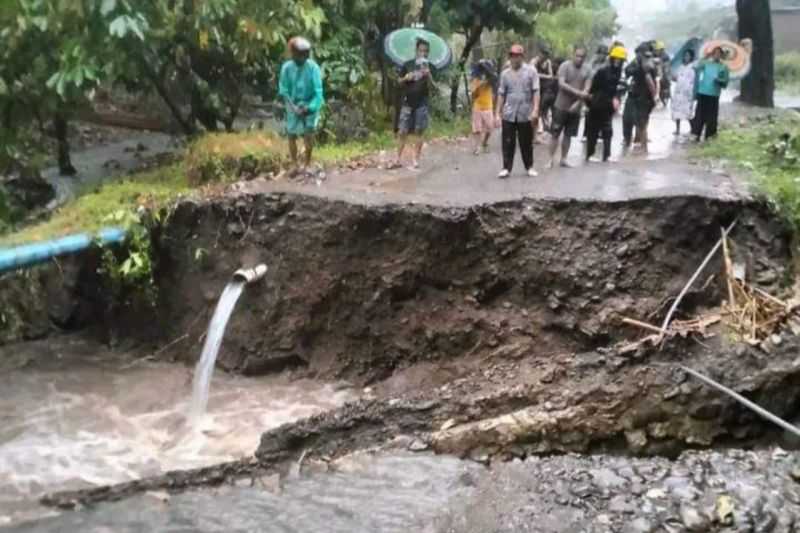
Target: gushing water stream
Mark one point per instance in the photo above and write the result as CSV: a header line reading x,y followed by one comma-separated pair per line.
x,y
216,331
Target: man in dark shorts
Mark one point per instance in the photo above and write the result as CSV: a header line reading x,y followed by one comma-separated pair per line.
x,y
641,98
415,79
574,80
548,84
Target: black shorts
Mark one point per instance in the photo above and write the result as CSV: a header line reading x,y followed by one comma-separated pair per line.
x,y
565,121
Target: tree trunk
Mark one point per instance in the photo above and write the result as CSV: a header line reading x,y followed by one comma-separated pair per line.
x,y
473,38
60,127
755,22
157,80
425,12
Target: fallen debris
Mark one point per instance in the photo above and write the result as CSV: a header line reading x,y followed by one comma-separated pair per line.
x,y
754,314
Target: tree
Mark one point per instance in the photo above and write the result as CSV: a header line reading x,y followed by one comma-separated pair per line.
x,y
472,17
755,23
212,49
52,53
587,23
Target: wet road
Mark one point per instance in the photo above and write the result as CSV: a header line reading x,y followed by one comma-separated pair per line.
x,y
451,175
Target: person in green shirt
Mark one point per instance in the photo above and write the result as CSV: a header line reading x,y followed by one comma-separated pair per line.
x,y
300,87
712,77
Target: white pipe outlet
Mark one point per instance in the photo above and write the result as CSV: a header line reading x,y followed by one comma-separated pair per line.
x,y
250,275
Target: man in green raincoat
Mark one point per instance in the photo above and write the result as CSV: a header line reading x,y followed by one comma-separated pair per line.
x,y
300,86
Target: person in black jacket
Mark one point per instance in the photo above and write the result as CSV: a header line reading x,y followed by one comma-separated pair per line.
x,y
604,103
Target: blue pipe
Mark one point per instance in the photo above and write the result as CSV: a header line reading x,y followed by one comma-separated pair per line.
x,y
32,254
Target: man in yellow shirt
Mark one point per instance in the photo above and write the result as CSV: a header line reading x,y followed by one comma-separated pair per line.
x,y
482,87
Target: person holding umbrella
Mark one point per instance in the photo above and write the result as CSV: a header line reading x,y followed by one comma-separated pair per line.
x,y
300,86
415,80
712,76
517,111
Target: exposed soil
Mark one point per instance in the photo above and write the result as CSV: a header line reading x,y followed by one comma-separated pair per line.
x,y
480,332
362,291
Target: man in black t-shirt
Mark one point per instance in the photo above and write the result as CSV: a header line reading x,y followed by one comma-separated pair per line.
x,y
605,95
415,80
641,98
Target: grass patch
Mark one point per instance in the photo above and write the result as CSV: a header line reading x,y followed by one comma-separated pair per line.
x,y
787,71
769,150
335,154
212,158
89,212
221,157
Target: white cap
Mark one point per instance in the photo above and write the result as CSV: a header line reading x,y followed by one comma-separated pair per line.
x,y
301,44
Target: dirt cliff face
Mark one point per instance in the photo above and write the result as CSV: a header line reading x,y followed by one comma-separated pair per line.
x,y
483,332
362,291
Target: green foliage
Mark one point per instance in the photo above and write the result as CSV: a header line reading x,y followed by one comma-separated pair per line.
x,y
213,49
342,62
587,23
129,271
88,212
52,54
226,157
770,151
787,70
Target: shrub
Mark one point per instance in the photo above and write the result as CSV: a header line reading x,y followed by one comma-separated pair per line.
x,y
221,157
787,68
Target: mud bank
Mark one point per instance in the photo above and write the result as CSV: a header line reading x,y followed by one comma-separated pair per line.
x,y
63,295
362,291
482,332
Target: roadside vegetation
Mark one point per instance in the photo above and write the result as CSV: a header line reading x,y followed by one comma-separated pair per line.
x,y
787,72
213,159
768,149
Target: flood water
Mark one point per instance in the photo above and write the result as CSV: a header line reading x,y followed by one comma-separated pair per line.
x,y
366,494
95,423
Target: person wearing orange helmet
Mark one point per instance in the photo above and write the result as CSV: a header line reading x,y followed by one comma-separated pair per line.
x,y
517,110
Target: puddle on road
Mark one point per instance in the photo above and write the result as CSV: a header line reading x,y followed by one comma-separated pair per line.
x,y
94,425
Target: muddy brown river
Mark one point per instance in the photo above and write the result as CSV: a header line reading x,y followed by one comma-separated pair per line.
x,y
69,424
99,423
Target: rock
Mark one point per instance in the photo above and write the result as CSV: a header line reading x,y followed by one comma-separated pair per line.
x,y
705,411
656,494
271,483
160,496
418,445
448,424
640,525
583,490
28,190
723,510
795,473
622,250
776,340
637,439
693,519
621,505
243,482
767,523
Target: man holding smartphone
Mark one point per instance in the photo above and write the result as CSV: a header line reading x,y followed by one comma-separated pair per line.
x,y
415,80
